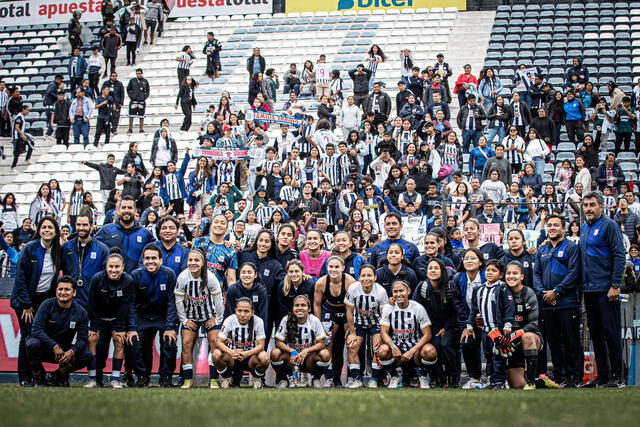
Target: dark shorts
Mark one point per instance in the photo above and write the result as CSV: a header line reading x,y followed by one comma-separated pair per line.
x,y
137,109
200,325
363,331
333,316
517,359
242,366
151,25
107,325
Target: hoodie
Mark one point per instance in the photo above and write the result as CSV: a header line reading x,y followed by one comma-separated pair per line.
x,y
256,293
131,241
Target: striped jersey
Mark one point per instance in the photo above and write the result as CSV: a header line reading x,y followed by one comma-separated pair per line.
x,y
404,138
219,257
307,335
303,143
450,155
185,64
330,166
289,193
76,203
373,66
405,324
226,173
486,297
309,173
58,195
237,336
264,214
513,156
196,302
291,168
367,306
343,164
172,186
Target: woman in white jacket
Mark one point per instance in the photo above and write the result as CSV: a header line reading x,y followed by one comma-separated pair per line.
x,y
349,118
583,176
9,214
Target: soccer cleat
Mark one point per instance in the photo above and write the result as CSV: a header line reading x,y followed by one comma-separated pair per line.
x,y
165,382
349,383
40,381
615,382
283,384
128,380
116,384
423,382
372,384
213,384
471,384
142,382
529,386
303,381
91,384
316,383
497,386
548,382
453,382
257,383
56,379
328,384
394,382
571,382
187,384
355,383
225,383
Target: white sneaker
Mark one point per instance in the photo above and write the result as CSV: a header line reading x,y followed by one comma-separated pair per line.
x,y
282,384
372,384
28,162
354,384
394,382
471,384
328,384
225,383
303,382
349,383
424,383
257,383
316,383
91,384
116,384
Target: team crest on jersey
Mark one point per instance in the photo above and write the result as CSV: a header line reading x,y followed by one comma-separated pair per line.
x,y
221,258
509,297
519,318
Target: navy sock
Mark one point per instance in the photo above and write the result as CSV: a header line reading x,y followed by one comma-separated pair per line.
x,y
116,368
187,369
279,368
91,369
354,371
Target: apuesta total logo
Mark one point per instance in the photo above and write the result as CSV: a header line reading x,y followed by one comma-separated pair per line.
x,y
364,4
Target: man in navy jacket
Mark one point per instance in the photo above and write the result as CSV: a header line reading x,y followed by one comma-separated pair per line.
x,y
82,257
393,228
602,266
127,234
57,322
174,255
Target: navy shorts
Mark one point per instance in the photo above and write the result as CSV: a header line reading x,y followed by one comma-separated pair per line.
x,y
107,325
363,331
201,325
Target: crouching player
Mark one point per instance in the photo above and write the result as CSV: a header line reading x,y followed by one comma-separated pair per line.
x,y
57,322
300,342
405,328
493,310
364,301
525,341
241,346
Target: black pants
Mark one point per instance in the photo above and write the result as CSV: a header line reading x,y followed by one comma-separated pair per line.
x,y
187,111
107,60
48,113
75,43
361,100
561,332
462,98
623,137
603,319
62,135
448,347
147,330
17,151
575,129
131,53
115,119
38,352
5,125
24,368
102,350
472,355
182,73
73,83
102,126
94,79
637,141
178,206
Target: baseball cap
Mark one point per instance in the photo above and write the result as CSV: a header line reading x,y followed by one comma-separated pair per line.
x,y
440,55
78,181
226,128
353,168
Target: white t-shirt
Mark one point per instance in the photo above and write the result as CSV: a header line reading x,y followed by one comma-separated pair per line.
x,y
308,333
48,271
163,154
239,336
323,72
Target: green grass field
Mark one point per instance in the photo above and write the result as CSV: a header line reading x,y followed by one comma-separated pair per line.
x,y
244,407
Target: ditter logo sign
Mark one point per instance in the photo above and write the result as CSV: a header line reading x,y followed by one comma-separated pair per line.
x,y
350,4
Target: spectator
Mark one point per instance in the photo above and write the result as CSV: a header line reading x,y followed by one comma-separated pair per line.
x,y
545,128
138,91
292,80
499,164
519,114
379,103
463,84
185,59
269,88
80,112
626,220
407,65
212,49
104,105
574,114
490,87
579,70
77,68
256,63
609,174
74,31
132,33
153,16
111,43
108,173
469,120
360,77
497,120
116,91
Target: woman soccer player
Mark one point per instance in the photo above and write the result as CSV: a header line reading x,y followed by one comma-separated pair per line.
x,y
405,328
241,346
199,306
110,297
525,341
328,305
492,307
364,301
300,341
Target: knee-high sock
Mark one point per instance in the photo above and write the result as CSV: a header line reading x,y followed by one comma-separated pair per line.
x,y
531,362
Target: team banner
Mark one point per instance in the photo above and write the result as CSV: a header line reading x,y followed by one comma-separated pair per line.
x,y
414,229
182,8
341,5
222,154
258,116
30,12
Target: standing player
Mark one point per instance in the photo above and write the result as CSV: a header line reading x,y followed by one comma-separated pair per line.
x,y
300,342
241,344
221,260
406,331
364,301
199,306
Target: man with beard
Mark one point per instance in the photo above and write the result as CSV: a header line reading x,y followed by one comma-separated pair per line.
x,y
82,257
222,260
393,229
431,251
127,234
174,255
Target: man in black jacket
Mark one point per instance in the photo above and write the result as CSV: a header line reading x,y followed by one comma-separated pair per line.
x,y
360,77
401,96
111,43
50,97
116,91
108,173
469,120
138,92
378,103
545,126
60,117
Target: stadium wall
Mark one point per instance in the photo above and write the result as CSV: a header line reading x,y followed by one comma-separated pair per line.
x,y
357,5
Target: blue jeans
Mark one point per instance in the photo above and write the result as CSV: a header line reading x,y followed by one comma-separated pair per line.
x,y
288,89
405,79
372,80
488,103
81,127
469,136
498,130
539,162
496,364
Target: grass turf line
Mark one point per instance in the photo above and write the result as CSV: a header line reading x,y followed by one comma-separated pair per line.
x,y
328,408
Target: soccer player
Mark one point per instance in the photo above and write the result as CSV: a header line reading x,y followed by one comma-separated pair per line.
x,y
525,341
110,313
364,301
59,335
155,314
329,306
300,342
199,306
406,331
220,259
241,344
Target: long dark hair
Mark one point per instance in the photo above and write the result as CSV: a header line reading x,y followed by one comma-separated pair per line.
x,y
194,83
272,251
390,177
55,244
380,53
443,283
292,322
49,197
477,252
13,204
84,200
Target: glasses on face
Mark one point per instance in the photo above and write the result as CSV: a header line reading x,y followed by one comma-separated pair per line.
x,y
513,130
369,189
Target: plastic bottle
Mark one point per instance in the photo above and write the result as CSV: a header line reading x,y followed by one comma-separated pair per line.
x,y
295,376
624,297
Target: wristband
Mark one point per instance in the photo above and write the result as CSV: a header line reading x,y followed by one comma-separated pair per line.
x,y
294,353
495,334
